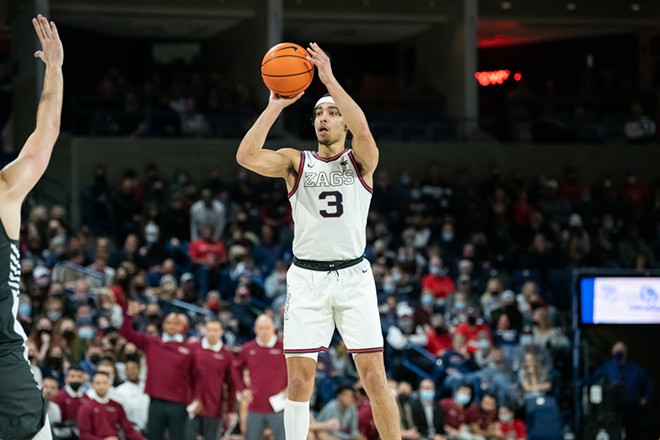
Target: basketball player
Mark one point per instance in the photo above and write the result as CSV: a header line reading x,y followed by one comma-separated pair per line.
x,y
22,408
330,283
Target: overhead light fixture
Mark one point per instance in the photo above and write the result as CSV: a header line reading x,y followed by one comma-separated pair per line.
x,y
506,5
571,6
635,7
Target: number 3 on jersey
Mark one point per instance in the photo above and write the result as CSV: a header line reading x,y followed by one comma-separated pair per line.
x,y
335,200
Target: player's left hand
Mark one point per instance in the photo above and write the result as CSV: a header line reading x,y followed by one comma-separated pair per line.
x,y
51,51
321,61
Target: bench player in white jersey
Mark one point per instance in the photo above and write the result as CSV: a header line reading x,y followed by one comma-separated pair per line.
x,y
22,407
330,283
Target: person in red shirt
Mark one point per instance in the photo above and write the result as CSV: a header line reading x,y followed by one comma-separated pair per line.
x,y
437,281
69,399
102,418
456,411
508,427
438,337
169,373
264,359
213,378
206,254
473,330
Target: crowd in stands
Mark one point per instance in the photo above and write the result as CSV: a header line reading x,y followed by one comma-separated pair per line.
x,y
600,108
188,102
473,279
176,102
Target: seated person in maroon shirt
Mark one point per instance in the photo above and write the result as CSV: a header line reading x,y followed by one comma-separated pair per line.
x,y
483,417
101,418
170,365
456,412
69,400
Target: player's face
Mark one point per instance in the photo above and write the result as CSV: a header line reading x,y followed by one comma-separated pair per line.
x,y
328,124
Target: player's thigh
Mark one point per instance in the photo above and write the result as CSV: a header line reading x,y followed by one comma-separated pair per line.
x,y
22,408
308,323
356,310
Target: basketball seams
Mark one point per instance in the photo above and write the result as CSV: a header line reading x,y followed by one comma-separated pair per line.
x,y
287,75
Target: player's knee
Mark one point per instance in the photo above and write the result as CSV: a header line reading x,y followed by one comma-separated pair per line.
x,y
374,380
299,387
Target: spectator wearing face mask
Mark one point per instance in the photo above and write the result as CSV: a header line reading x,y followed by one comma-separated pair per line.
x,y
70,398
438,337
437,282
92,357
427,413
508,427
636,388
490,299
409,430
508,307
474,329
456,412
53,365
400,335
426,308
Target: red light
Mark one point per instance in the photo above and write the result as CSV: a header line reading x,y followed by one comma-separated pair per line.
x,y
517,76
492,78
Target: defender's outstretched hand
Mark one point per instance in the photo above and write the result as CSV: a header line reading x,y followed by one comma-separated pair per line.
x,y
52,52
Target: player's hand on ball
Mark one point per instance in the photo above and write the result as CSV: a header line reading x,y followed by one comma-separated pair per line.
x,y
281,102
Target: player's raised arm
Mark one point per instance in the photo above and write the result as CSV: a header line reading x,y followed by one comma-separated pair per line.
x,y
251,153
364,146
22,174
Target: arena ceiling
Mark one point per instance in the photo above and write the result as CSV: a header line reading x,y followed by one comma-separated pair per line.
x,y
501,22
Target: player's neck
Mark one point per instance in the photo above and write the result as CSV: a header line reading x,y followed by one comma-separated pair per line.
x,y
330,150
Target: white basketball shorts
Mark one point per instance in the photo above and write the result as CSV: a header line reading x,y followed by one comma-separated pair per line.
x,y
317,301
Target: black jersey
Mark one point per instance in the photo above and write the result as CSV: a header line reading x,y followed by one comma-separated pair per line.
x,y
12,336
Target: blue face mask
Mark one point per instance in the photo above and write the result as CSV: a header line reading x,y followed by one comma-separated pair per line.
x,y
463,398
388,288
459,305
427,300
86,332
25,309
427,394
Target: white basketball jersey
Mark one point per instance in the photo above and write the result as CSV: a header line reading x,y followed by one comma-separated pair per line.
x,y
330,202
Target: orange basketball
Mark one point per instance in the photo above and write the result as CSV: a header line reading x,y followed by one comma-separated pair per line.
x,y
285,69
